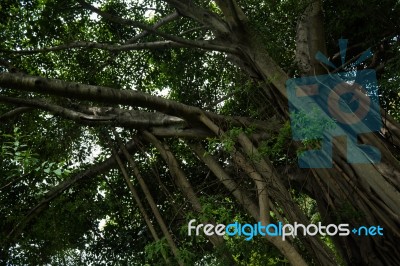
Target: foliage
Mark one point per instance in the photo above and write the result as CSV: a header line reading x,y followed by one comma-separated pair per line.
x,y
63,198
317,124
276,146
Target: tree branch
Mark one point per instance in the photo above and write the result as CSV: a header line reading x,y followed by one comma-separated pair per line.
x,y
310,38
133,98
101,116
95,93
128,22
201,15
165,20
54,109
205,45
180,179
59,189
13,113
226,180
234,16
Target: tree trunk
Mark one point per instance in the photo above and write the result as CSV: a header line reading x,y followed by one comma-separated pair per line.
x,y
377,185
266,178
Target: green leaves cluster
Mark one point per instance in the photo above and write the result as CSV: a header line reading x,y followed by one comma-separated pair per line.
x,y
311,125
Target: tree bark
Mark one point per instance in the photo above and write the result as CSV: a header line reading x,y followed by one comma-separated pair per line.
x,y
376,184
372,190
267,179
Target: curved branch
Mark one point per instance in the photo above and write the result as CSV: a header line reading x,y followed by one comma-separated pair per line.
x,y
53,108
157,123
108,95
94,115
79,91
13,113
196,133
60,188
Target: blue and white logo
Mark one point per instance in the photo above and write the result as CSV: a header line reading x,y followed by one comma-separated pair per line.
x,y
333,105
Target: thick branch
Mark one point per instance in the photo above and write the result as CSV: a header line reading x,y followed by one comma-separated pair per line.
x,y
181,132
310,38
101,46
95,93
201,15
280,194
234,16
54,109
102,116
124,97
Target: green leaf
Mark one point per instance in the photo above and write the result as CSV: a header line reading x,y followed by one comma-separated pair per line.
x,y
58,172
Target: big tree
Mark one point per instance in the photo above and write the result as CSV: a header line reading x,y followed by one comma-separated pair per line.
x,y
123,120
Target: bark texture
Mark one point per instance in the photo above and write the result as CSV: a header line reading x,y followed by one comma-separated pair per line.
x,y
367,194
